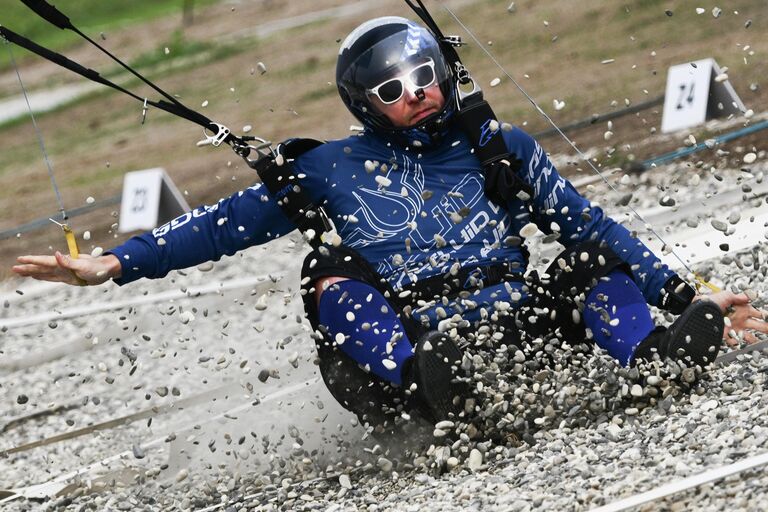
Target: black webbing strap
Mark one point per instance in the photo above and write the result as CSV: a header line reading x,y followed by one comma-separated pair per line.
x,y
479,122
445,46
466,279
278,175
172,107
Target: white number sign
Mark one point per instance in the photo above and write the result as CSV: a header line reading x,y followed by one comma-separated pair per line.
x,y
693,95
149,198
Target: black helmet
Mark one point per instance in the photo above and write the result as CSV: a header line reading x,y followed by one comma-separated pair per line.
x,y
383,48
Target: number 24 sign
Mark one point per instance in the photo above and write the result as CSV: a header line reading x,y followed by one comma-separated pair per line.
x,y
692,93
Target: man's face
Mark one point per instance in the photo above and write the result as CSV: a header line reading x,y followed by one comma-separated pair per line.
x,y
411,107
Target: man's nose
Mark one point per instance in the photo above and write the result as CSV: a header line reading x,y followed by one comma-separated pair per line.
x,y
415,96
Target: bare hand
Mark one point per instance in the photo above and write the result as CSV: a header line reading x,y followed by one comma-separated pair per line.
x,y
61,268
743,320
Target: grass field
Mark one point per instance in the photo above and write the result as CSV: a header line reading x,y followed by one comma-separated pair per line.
x,y
92,17
595,56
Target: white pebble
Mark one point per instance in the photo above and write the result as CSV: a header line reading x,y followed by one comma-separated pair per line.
x,y
475,460
389,364
529,230
750,158
339,338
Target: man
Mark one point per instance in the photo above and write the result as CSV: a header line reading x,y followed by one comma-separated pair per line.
x,y
427,242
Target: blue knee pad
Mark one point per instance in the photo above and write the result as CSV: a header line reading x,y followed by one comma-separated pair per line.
x,y
617,299
363,325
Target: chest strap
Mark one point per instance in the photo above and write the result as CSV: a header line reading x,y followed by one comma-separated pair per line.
x,y
278,174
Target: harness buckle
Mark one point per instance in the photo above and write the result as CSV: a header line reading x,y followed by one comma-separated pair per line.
x,y
453,40
222,132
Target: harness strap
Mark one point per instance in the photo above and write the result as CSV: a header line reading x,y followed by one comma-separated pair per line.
x,y
277,173
466,279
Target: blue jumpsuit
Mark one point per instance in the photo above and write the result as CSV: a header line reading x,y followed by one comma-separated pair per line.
x,y
412,212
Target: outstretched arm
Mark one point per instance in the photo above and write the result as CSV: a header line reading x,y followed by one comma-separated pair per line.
x,y
61,268
249,217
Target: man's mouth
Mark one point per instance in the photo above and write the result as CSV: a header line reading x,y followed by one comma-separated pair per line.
x,y
421,114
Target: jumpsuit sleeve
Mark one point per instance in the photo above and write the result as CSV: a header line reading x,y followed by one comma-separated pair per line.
x,y
247,218
559,207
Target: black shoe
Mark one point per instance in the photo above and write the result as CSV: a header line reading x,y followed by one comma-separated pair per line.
x,y
694,338
434,369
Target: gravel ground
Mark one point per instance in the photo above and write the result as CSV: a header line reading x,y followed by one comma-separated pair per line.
x,y
570,437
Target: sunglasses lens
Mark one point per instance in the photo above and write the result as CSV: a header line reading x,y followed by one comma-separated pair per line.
x,y
389,92
422,76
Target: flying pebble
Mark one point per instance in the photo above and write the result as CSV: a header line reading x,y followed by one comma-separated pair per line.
x,y
719,225
261,67
750,158
529,230
496,81
558,104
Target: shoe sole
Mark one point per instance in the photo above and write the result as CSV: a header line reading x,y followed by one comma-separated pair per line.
x,y
695,337
436,376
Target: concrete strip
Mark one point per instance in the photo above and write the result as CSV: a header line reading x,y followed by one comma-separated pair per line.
x,y
686,484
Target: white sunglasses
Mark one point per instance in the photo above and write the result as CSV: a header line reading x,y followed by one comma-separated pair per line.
x,y
391,90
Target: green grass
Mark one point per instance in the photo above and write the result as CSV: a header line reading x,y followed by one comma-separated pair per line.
x,y
90,16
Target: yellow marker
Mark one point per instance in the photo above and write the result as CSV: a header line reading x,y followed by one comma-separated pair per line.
x,y
74,252
71,241
700,281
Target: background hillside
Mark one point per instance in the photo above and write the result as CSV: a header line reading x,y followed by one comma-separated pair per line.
x,y
596,56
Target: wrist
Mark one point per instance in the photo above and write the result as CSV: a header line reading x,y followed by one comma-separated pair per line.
x,y
114,268
676,295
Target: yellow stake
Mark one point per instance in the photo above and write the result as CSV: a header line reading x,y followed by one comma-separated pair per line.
x,y
700,281
74,252
71,241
